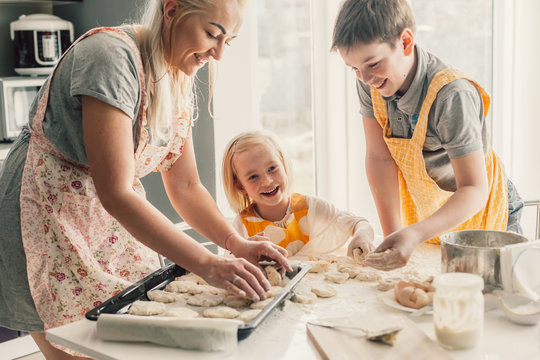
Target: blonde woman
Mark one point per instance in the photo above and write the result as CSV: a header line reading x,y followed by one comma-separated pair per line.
x,y
76,227
257,180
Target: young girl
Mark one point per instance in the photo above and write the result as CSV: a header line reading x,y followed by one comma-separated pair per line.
x,y
256,178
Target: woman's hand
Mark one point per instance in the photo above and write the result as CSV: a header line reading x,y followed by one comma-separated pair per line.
x,y
394,251
258,248
236,275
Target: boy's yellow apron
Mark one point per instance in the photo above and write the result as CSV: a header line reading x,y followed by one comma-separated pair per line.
x,y
77,254
280,236
420,196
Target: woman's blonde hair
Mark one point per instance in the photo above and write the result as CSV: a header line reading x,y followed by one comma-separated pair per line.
x,y
238,200
170,92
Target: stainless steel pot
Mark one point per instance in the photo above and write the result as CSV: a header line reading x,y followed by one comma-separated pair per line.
x,y
477,252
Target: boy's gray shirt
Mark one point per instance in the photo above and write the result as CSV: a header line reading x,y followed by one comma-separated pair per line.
x,y
456,123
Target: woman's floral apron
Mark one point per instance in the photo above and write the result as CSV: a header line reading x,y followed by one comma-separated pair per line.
x,y
77,254
419,194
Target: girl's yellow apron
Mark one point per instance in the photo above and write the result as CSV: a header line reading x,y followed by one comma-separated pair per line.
x,y
280,236
77,254
419,194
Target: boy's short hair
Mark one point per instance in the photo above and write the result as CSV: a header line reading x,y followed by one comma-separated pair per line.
x,y
366,21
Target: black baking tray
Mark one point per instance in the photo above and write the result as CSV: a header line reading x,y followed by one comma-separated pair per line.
x,y
120,303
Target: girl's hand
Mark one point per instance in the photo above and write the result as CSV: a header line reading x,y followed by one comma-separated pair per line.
x,y
394,251
258,248
361,243
236,275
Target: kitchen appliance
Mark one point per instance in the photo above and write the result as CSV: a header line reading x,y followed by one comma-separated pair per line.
x,y
477,252
39,40
16,96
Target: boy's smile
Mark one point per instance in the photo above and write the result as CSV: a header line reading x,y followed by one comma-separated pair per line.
x,y
389,69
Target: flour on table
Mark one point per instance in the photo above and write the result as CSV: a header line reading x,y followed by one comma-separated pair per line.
x,y
146,308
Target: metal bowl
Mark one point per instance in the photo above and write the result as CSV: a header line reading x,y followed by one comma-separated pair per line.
x,y
477,252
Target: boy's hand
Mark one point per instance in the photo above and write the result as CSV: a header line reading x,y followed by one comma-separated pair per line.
x,y
394,252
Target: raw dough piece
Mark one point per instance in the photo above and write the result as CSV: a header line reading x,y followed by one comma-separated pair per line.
x,y
222,312
192,277
358,255
236,301
205,299
261,304
336,277
303,297
181,312
146,308
274,291
319,266
211,290
413,295
349,269
344,260
183,286
248,315
274,277
368,276
324,290
387,284
164,296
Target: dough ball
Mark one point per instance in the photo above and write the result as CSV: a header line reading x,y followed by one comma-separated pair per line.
x,y
164,296
181,312
273,275
222,312
205,299
248,315
236,301
349,269
261,304
304,297
358,255
274,290
193,278
336,277
410,295
146,308
183,286
324,290
319,266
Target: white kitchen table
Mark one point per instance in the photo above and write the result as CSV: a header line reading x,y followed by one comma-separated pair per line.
x,y
282,335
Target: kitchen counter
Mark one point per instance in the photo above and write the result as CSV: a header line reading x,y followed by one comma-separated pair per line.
x,y
283,334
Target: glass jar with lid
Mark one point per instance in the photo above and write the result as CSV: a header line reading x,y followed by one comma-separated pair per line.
x,y
458,310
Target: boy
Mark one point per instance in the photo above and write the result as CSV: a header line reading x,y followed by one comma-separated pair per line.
x,y
428,159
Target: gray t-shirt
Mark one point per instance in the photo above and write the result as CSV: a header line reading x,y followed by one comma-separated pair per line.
x,y
456,123
101,66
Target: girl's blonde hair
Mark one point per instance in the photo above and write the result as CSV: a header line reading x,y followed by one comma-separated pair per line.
x,y
244,142
170,92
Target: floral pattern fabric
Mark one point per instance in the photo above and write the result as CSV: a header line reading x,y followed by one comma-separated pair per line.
x,y
77,254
